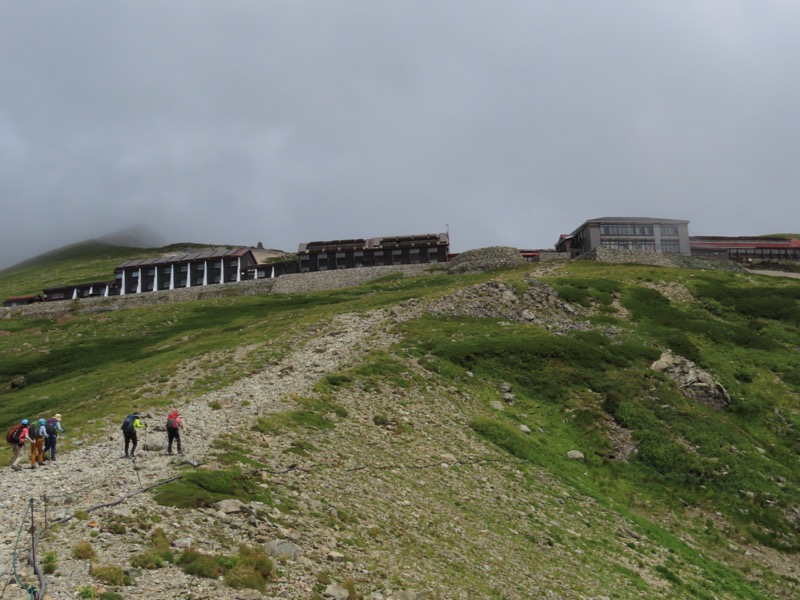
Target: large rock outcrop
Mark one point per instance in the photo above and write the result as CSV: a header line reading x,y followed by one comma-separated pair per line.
x,y
485,259
692,381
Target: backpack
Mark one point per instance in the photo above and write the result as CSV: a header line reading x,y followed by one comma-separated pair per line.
x,y
50,427
127,424
35,432
172,423
13,435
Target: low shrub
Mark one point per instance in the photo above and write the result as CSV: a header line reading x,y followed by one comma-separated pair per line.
x,y
250,568
111,575
198,564
49,562
83,550
244,576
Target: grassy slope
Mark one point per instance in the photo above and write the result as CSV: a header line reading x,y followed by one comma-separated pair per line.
x,y
702,479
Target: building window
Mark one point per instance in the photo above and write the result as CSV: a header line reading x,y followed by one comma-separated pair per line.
x,y
669,230
632,244
670,246
620,229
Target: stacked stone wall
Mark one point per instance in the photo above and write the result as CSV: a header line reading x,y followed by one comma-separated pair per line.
x,y
657,259
286,284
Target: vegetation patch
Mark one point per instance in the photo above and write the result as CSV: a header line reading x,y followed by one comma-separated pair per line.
x,y
111,575
203,488
158,555
249,568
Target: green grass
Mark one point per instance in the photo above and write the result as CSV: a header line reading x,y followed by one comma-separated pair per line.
x,y
740,462
203,488
685,450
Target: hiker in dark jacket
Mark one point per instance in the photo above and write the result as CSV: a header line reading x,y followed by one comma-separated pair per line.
x,y
53,426
129,427
174,426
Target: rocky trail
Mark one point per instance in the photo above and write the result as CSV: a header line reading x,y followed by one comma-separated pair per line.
x,y
97,473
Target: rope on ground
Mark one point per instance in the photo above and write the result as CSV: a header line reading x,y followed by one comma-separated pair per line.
x,y
28,588
34,593
121,499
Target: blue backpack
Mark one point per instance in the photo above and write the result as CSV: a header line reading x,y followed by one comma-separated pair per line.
x,y
127,424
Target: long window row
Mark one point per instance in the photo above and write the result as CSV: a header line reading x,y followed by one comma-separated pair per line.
x,y
646,245
633,229
667,246
626,230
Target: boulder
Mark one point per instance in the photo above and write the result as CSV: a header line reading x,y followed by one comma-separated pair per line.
x,y
692,381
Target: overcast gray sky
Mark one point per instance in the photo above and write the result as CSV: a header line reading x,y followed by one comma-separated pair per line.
x,y
511,122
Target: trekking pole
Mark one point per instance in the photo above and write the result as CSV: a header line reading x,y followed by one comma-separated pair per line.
x,y
136,470
33,535
44,499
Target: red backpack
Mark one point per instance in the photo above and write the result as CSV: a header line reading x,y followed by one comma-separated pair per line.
x,y
13,435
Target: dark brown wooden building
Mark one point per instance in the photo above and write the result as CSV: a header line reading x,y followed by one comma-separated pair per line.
x,y
22,300
374,252
744,249
81,290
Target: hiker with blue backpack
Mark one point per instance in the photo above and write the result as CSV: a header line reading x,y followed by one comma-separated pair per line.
x,y
38,434
53,426
129,427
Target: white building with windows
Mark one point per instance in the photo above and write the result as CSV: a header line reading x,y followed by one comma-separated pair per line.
x,y
668,236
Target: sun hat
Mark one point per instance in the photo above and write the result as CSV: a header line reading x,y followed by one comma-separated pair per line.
x,y
58,417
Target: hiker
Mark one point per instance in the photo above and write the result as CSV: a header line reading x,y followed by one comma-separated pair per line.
x,y
17,437
53,426
37,433
129,427
174,426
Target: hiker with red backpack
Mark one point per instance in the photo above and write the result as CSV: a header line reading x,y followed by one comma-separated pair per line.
x,y
53,426
174,426
17,436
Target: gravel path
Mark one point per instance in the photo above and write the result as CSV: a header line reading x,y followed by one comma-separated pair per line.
x,y
96,473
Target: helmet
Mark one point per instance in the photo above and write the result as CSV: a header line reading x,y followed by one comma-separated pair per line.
x,y
42,421
24,421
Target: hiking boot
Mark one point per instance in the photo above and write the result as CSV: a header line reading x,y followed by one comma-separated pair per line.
x,y
33,466
16,467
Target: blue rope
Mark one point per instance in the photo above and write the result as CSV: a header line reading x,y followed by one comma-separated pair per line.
x,y
28,588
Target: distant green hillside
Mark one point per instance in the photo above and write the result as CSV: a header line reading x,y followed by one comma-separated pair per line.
x,y
700,479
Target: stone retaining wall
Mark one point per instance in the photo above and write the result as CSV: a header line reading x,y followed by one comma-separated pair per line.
x,y
286,284
657,259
